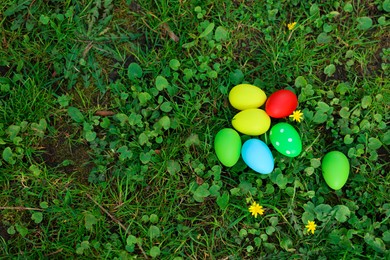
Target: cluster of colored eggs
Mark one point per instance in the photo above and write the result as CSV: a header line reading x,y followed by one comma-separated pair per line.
x,y
253,121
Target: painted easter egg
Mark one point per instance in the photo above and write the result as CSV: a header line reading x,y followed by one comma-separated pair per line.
x,y
257,156
227,145
251,121
281,103
335,169
286,139
245,96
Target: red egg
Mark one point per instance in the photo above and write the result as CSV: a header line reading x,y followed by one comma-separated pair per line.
x,y
281,103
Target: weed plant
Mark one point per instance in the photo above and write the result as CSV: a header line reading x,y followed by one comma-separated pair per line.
x,y
108,112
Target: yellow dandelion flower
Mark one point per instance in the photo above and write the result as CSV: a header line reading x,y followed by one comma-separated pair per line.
x,y
297,115
311,226
256,209
291,26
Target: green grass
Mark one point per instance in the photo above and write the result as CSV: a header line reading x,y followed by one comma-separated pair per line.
x,y
144,180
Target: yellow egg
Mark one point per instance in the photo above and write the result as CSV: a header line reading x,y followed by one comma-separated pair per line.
x,y
252,121
245,96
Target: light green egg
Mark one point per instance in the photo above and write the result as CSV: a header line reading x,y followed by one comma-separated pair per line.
x,y
335,169
227,145
286,139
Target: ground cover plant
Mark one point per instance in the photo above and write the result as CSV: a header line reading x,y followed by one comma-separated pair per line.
x,y
109,109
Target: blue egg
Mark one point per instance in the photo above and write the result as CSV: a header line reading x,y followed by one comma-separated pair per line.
x,y
257,155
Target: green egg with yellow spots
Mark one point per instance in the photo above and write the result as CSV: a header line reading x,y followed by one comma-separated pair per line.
x,y
286,139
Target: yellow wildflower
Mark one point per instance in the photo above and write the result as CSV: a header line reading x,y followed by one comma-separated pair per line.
x,y
311,226
291,26
256,209
297,115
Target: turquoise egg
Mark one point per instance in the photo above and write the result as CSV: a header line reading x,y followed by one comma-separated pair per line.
x,y
286,139
335,169
227,145
257,156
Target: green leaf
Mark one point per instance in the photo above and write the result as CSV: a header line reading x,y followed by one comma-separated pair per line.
x,y
44,19
173,167
142,139
314,9
327,28
90,136
342,88
309,170
376,243
348,139
281,181
40,128
382,21
214,190
153,218
166,107
207,31
322,211
324,38
344,112
131,240
154,251
270,230
272,14
174,64
330,70
8,155
11,230
193,139
154,232
364,23
348,7
122,118
374,143
366,101
221,34
322,106
307,216
386,236
236,76
165,122
44,205
125,153
134,71
105,123
349,54
223,200
35,170
144,97
13,131
63,100
189,45
320,117
202,190
300,82
145,157
23,231
37,217
274,221
161,83
342,213
286,243
386,5
89,221
75,114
